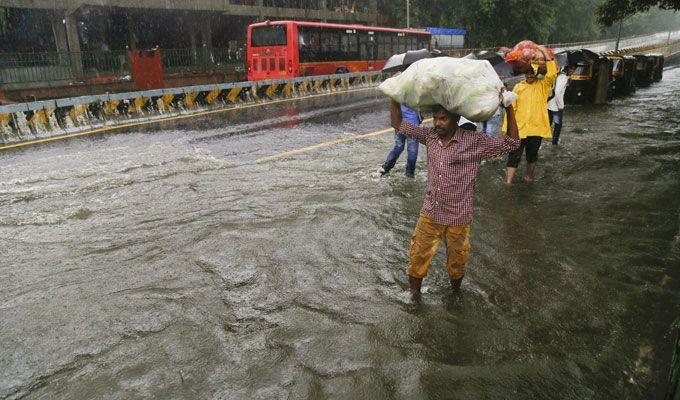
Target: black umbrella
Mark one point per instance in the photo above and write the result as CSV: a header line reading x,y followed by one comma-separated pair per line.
x,y
400,62
504,70
492,57
415,55
394,63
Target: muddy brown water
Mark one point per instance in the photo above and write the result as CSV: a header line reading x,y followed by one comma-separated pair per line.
x,y
164,262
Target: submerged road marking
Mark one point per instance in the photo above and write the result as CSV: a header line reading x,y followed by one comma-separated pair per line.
x,y
173,118
326,144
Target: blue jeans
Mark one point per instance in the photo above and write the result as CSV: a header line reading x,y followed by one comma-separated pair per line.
x,y
556,117
412,150
490,127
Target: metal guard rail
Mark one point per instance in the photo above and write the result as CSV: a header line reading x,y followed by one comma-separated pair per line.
x,y
49,118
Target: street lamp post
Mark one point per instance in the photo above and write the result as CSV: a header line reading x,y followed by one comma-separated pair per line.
x,y
618,38
408,12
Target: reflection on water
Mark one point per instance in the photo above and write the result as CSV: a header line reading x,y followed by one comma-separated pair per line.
x,y
167,263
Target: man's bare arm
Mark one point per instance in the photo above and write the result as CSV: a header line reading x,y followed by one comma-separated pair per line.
x,y
512,130
395,115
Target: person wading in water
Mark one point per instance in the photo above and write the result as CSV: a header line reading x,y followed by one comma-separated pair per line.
x,y
532,116
453,157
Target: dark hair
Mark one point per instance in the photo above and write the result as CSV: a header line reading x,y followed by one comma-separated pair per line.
x,y
438,107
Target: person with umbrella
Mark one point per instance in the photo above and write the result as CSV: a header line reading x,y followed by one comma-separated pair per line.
x,y
414,118
399,62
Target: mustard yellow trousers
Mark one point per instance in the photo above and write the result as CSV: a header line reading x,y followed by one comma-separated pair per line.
x,y
424,244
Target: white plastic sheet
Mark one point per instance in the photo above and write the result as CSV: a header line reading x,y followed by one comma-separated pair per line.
x,y
470,88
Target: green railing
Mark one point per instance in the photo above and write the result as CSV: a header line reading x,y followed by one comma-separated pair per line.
x,y
18,68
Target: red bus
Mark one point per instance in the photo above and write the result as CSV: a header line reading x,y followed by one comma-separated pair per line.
x,y
287,49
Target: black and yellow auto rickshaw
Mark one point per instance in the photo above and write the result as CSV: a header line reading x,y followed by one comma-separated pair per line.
x,y
644,70
623,75
657,61
589,77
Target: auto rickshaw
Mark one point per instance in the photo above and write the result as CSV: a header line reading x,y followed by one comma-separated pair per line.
x,y
644,70
657,69
589,77
623,75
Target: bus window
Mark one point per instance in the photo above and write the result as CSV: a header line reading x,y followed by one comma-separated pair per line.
x,y
264,64
363,50
309,43
272,64
255,65
402,44
380,45
273,35
282,64
353,44
388,46
344,43
330,41
371,47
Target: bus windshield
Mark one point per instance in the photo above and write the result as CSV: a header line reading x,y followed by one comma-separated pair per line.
x,y
273,35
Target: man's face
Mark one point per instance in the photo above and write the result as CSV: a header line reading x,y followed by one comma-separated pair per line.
x,y
444,123
530,76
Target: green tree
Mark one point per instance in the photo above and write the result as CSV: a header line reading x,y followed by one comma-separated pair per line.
x,y
575,22
616,10
505,22
654,20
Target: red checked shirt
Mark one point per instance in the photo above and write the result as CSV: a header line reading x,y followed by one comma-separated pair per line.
x,y
452,169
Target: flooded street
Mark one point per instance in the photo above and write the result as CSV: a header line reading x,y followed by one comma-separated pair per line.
x,y
164,262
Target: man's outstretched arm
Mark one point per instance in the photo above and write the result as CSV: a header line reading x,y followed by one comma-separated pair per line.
x,y
494,147
404,127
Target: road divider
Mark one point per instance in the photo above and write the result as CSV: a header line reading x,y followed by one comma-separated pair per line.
x,y
42,121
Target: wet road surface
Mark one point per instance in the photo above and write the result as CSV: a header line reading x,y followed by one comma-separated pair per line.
x,y
164,262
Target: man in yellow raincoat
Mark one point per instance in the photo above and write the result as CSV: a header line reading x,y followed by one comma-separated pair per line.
x,y
532,116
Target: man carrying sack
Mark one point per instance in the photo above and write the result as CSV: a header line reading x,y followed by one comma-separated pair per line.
x,y
453,158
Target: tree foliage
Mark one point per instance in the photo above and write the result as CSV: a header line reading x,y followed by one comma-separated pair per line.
x,y
615,10
505,22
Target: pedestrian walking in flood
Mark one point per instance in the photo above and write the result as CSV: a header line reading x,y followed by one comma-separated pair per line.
x,y
453,158
400,140
532,116
492,126
556,105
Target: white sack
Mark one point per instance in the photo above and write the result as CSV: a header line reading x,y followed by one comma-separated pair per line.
x,y
470,88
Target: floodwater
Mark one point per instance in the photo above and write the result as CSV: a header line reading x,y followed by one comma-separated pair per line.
x,y
164,262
